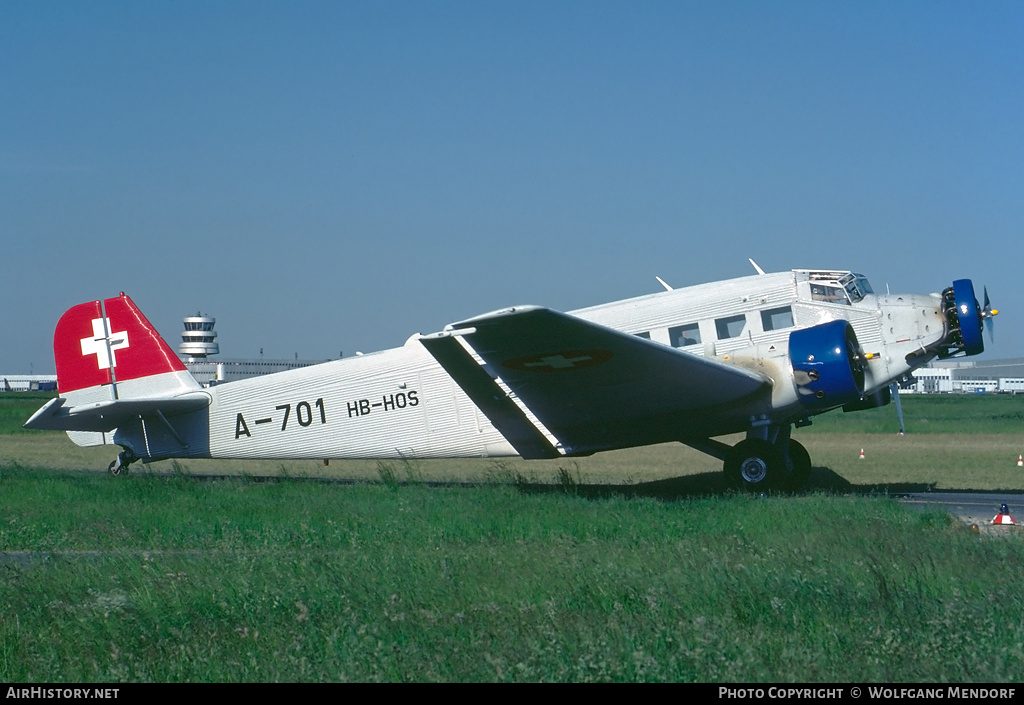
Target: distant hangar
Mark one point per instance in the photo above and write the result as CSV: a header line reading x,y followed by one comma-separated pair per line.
x,y
968,377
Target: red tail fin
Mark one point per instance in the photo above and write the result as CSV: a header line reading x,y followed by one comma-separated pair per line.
x,y
103,342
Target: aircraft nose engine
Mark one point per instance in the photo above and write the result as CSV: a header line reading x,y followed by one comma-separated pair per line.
x,y
827,365
965,317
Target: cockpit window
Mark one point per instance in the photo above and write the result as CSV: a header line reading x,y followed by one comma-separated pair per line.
x,y
837,287
856,286
829,294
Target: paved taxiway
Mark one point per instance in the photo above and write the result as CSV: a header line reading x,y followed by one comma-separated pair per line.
x,y
971,507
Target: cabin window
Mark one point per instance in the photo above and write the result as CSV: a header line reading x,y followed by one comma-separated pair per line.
x,y
731,327
829,294
777,318
646,335
681,336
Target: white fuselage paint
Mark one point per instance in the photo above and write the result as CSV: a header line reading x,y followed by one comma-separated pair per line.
x,y
401,403
393,403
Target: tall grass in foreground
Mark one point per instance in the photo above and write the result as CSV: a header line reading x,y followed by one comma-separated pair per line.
x,y
170,579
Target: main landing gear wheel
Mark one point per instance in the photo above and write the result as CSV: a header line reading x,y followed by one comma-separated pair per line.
x,y
799,466
754,465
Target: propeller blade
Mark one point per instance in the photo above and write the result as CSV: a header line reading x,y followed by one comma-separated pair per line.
x,y
895,390
987,315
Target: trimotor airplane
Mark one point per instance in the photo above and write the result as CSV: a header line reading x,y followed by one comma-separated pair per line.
x,y
755,355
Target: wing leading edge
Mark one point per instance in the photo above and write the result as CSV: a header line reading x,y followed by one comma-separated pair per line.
x,y
592,387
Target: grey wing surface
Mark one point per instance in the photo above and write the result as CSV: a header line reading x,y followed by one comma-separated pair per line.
x,y
593,387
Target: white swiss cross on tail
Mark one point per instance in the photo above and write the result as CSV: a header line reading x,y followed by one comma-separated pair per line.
x,y
100,343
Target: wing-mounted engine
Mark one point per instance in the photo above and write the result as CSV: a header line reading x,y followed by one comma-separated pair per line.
x,y
827,365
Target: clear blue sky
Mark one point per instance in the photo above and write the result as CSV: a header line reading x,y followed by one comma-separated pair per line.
x,y
335,176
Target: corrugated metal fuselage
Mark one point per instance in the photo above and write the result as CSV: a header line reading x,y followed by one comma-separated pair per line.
x,y
401,403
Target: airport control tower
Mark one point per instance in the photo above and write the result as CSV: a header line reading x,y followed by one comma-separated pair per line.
x,y
197,340
198,343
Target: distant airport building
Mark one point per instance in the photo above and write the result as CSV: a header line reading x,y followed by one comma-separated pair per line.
x,y
208,372
28,383
198,343
968,377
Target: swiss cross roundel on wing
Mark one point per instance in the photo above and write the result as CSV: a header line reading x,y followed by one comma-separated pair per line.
x,y
561,361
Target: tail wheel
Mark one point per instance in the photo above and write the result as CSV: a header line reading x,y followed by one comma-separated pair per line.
x,y
122,461
754,465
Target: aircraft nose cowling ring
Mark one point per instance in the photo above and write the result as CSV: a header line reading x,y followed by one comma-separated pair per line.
x,y
964,319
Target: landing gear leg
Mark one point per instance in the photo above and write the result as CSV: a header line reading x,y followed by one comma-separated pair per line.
x,y
125,458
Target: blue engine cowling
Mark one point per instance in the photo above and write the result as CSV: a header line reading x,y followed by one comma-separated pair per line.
x,y
827,367
968,316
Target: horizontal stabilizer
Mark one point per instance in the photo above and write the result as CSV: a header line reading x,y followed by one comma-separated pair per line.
x,y
105,416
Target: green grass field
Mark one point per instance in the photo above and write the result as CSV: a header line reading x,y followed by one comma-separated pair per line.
x,y
629,566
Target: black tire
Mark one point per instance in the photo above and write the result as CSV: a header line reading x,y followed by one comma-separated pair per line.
x,y
799,466
753,465
114,468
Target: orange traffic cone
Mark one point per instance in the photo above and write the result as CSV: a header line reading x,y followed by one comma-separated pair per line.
x,y
1003,517
1020,461
862,454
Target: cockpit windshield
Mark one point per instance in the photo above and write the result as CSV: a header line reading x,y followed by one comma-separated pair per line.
x,y
845,288
857,287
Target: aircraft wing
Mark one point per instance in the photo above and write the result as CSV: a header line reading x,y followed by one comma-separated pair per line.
x,y
107,415
591,386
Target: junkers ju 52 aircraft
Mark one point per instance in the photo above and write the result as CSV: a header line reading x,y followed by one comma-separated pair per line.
x,y
755,355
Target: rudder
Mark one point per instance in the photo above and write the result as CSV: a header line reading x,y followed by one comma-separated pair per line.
x,y
110,342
